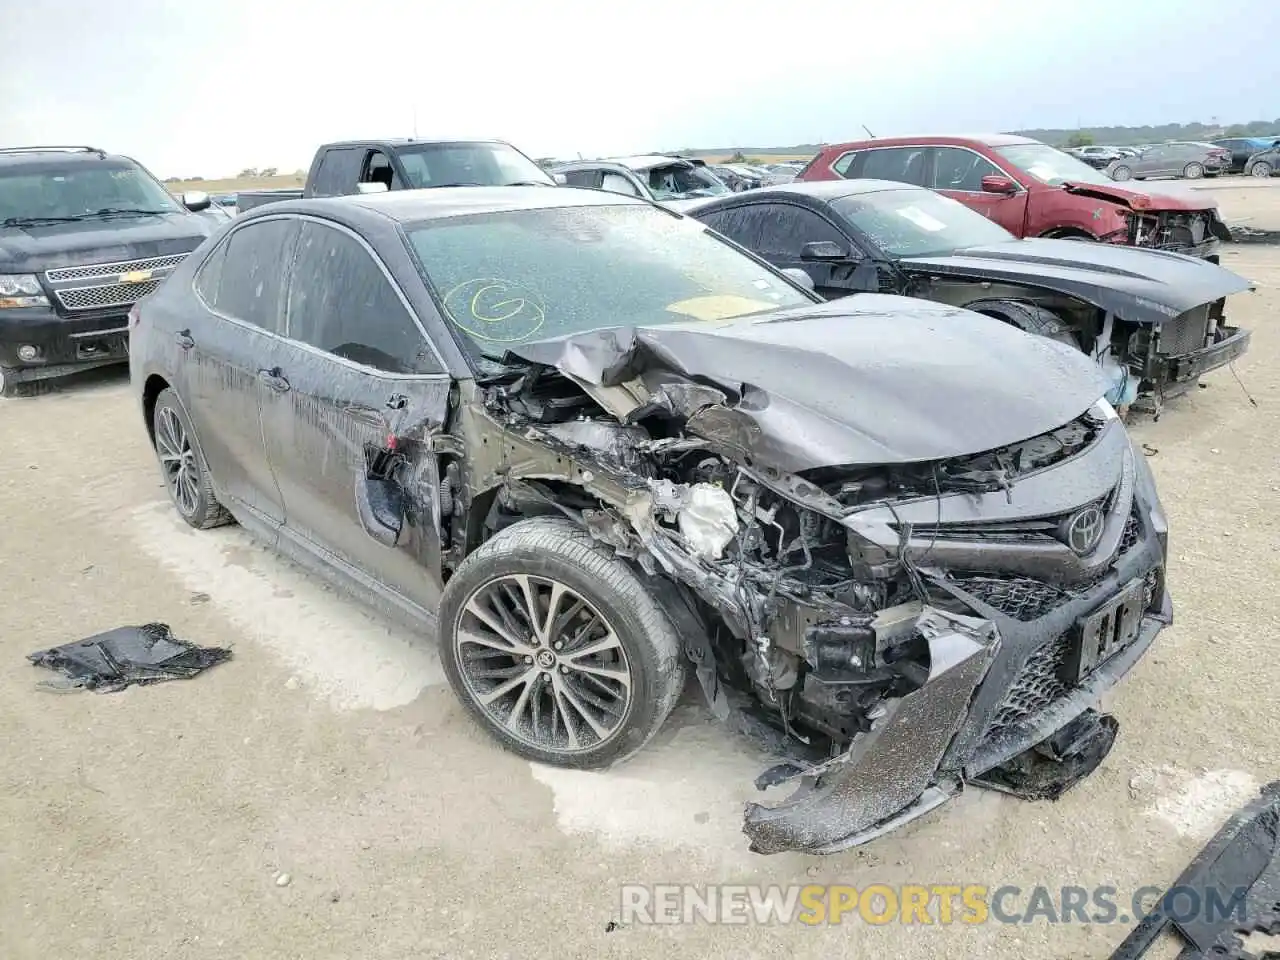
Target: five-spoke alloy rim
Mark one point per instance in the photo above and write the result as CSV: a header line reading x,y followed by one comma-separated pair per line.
x,y
178,460
543,664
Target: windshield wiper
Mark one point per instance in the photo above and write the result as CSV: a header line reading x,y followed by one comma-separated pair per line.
x,y
137,211
33,221
528,183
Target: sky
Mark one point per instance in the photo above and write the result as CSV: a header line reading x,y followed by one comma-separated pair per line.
x,y
209,87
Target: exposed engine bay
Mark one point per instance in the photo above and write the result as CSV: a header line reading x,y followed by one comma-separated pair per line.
x,y
812,602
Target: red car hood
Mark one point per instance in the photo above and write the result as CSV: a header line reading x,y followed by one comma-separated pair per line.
x,y
1141,197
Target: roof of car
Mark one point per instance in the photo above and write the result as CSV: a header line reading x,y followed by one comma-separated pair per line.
x,y
408,142
822,190
407,206
945,139
23,156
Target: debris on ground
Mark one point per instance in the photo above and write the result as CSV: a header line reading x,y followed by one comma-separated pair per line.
x,y
111,661
1235,882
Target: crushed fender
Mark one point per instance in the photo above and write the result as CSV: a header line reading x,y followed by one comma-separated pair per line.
x,y
1235,880
111,661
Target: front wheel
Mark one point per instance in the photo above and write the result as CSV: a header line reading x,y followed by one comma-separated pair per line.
x,y
1121,173
557,647
1193,171
1261,169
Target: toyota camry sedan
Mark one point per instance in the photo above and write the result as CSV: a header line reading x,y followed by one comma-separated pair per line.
x,y
590,448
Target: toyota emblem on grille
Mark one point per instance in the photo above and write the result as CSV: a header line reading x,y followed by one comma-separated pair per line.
x,y
1084,529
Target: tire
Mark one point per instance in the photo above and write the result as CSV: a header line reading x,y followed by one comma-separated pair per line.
x,y
1033,320
186,478
544,554
9,385
1121,172
1193,171
1261,169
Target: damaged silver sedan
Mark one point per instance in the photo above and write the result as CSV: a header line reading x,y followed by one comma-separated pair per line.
x,y
902,546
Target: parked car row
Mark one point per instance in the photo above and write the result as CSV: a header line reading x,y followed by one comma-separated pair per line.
x,y
1184,159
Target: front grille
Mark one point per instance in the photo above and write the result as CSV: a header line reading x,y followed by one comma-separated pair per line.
x,y
1027,599
95,270
1037,685
1184,334
1019,597
105,295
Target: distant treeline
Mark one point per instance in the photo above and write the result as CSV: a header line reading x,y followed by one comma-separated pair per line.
x,y
1119,136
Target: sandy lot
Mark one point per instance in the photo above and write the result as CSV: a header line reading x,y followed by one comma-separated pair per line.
x,y
155,822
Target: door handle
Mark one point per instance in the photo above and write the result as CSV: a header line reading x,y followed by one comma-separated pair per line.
x,y
358,411
274,379
185,340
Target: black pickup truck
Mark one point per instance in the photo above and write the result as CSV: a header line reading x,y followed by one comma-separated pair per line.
x,y
84,234
371,166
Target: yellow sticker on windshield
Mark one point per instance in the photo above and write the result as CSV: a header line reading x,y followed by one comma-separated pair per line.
x,y
719,307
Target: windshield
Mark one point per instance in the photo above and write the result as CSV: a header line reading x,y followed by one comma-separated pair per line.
x,y
918,223
679,182
1051,166
75,191
478,164
513,277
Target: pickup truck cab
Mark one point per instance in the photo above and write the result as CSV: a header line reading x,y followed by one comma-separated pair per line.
x,y
84,234
372,166
1033,190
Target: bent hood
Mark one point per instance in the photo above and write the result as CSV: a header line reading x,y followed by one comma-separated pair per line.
x,y
1134,283
1143,198
106,240
872,379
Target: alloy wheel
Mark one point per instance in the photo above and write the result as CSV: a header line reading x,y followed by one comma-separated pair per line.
x,y
178,460
1121,173
542,663
1261,169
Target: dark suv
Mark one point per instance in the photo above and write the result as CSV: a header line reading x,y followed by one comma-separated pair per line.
x,y
83,235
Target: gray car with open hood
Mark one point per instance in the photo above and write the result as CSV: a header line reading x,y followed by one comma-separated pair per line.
x,y
593,448
1154,320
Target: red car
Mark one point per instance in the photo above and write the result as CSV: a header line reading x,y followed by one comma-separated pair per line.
x,y
1032,190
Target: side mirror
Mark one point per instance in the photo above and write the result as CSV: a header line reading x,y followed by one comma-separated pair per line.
x,y
801,277
560,178
823,250
998,185
371,186
380,506
196,200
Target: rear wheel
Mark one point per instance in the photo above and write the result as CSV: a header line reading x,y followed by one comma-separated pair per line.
x,y
557,647
9,385
1261,169
1121,172
1193,171
186,475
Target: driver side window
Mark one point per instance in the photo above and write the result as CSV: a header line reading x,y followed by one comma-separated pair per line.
x,y
340,301
958,169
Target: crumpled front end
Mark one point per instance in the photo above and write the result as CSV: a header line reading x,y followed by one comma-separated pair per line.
x,y
1008,701
887,630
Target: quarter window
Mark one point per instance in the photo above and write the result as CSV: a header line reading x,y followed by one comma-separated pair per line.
x,y
341,301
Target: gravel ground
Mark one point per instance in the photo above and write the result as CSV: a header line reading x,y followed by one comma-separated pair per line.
x,y
157,822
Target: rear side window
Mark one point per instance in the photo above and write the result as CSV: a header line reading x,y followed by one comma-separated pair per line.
x,y
844,164
775,231
903,164
582,178
338,171
244,277
340,301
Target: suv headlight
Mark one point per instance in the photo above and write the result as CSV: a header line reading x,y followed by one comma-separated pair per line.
x,y
21,290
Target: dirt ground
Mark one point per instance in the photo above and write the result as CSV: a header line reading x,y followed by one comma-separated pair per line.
x,y
157,822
